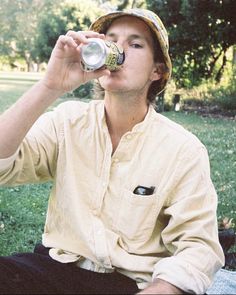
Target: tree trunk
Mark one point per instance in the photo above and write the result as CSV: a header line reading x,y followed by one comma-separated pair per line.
x,y
133,3
220,71
234,57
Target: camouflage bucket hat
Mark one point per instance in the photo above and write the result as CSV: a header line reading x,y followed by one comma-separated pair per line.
x,y
155,24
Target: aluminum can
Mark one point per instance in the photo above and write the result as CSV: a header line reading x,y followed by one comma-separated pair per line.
x,y
100,53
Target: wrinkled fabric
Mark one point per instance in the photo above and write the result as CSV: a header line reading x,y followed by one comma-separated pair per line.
x,y
93,212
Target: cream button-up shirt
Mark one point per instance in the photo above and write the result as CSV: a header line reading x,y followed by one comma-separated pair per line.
x,y
95,219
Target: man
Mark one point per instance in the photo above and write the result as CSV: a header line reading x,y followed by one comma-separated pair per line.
x,y
132,207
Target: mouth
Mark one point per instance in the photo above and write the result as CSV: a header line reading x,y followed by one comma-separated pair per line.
x,y
115,71
119,69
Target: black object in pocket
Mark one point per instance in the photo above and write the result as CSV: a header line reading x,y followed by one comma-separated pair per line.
x,y
144,191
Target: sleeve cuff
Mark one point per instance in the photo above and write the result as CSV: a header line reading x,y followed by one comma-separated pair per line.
x,y
7,162
181,275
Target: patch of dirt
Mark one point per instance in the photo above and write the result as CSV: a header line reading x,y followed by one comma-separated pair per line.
x,y
211,111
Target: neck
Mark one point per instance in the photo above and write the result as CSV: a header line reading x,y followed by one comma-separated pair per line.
x,y
122,114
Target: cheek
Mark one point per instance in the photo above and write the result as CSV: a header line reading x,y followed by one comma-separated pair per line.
x,y
139,61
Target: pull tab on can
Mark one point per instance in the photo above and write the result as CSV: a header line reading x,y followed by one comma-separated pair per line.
x,y
98,53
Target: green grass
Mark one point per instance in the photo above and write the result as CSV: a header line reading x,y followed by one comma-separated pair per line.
x,y
22,216
13,85
23,209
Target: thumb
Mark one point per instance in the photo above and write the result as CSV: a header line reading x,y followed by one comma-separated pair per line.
x,y
99,73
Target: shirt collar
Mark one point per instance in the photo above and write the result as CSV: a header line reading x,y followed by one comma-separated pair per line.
x,y
141,127
138,128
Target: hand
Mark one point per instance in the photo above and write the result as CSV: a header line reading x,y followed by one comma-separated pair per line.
x,y
161,287
64,72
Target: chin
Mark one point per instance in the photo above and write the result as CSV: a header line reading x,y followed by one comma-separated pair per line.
x,y
113,86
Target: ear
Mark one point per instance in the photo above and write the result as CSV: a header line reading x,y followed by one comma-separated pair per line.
x,y
158,71
155,76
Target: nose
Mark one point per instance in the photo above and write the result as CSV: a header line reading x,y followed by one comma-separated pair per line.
x,y
122,44
121,47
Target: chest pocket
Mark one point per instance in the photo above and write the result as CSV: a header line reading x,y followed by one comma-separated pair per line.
x,y
137,216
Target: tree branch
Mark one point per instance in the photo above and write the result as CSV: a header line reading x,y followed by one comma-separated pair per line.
x,y
220,72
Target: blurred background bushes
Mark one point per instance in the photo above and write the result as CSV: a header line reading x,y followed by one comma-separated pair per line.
x,y
201,33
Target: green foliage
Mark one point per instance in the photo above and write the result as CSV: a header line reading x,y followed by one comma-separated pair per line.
x,y
220,96
111,5
225,97
30,28
8,10
84,91
68,15
200,32
209,94
18,21
71,15
206,98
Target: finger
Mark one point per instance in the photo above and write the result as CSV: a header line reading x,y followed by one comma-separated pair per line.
x,y
77,36
91,34
66,40
99,73
95,75
82,36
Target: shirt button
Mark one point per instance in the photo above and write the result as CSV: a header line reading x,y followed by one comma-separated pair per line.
x,y
95,212
104,184
116,160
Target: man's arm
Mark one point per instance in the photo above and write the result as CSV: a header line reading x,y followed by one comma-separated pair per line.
x,y
16,121
191,234
63,74
161,287
190,230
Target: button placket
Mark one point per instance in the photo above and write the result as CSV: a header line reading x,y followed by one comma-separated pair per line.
x,y
116,160
105,174
100,243
106,162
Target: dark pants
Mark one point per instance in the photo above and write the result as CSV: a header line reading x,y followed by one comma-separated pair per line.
x,y
38,273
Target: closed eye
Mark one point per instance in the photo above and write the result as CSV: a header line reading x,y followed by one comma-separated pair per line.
x,y
136,45
111,37
111,40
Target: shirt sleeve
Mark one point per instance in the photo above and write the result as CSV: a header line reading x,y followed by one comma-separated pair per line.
x,y
7,162
191,235
35,160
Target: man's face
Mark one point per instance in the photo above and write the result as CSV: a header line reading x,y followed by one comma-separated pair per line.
x,y
138,70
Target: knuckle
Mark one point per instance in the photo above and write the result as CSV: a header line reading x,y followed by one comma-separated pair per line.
x,y
69,33
61,38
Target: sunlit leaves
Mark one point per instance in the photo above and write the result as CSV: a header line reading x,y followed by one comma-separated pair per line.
x,y
200,34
